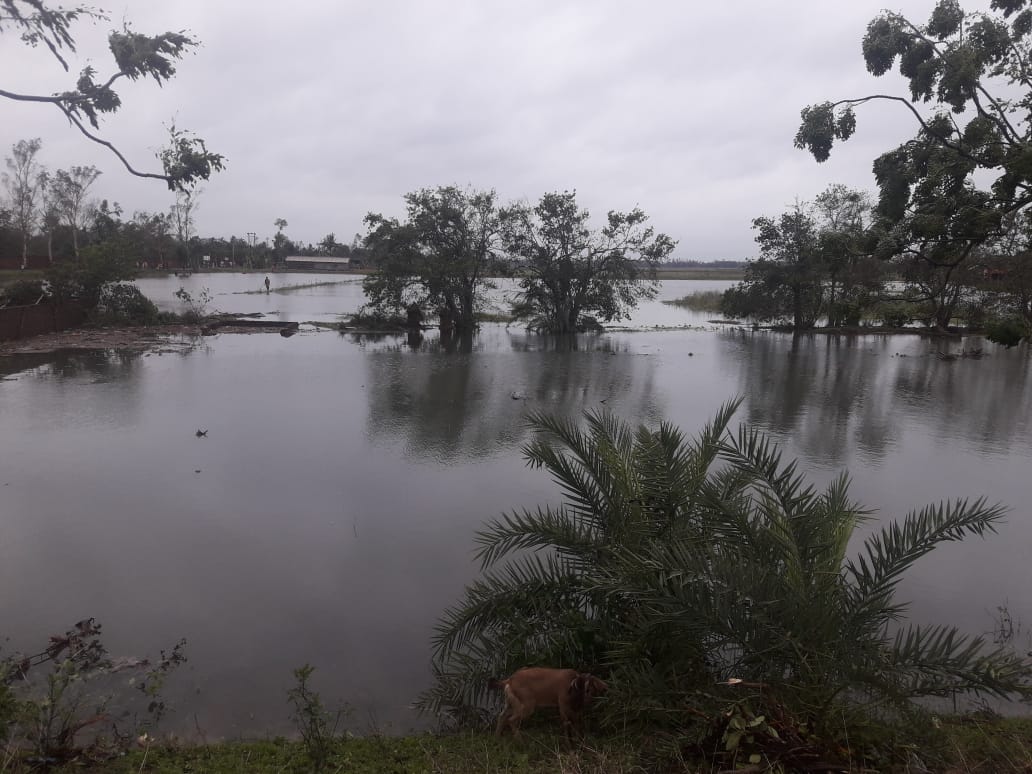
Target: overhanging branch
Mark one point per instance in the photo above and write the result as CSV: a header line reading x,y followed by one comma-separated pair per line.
x,y
101,141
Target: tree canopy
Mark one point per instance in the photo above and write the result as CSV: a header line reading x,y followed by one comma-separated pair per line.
x,y
951,190
974,70
813,262
568,270
186,159
442,255
22,180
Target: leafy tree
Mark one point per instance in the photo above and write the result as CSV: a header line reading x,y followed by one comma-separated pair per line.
x,y
787,281
958,62
185,160
1006,278
933,219
567,270
442,255
329,245
933,214
281,244
181,215
107,221
150,233
22,181
852,276
673,562
50,215
70,188
101,266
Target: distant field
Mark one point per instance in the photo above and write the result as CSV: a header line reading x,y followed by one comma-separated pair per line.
x,y
699,274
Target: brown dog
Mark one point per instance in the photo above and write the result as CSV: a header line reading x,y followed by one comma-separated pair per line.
x,y
533,687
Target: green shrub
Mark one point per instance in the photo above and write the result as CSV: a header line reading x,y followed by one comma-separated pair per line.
x,y
700,301
196,306
85,279
316,725
125,304
896,314
1008,332
74,689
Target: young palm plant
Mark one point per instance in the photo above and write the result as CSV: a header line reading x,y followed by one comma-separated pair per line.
x,y
674,563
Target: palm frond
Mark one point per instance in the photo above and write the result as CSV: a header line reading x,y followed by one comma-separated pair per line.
x,y
888,553
566,531
940,661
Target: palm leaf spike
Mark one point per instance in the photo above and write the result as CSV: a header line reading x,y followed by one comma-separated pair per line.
x,y
888,553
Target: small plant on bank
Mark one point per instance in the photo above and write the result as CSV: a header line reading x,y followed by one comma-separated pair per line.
x,y
196,306
317,726
74,688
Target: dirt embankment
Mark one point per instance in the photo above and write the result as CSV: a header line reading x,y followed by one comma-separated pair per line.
x,y
102,338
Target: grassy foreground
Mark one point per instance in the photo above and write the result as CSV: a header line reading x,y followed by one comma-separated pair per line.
x,y
950,746
535,753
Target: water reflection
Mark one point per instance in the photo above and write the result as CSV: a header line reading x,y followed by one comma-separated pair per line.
x,y
462,397
288,534
840,395
95,365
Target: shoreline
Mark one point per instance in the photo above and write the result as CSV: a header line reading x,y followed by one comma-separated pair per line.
x,y
178,336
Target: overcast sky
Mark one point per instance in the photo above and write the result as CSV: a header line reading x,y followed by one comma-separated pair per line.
x,y
326,110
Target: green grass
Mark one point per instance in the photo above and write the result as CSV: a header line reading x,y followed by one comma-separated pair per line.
x,y
960,745
7,276
700,301
470,753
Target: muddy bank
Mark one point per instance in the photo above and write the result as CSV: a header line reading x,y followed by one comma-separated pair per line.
x,y
139,339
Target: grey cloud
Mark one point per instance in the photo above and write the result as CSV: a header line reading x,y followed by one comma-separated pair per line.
x,y
327,110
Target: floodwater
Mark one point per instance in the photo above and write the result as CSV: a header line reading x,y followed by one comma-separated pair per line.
x,y
328,515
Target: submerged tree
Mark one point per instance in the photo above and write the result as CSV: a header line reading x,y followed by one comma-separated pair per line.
x,y
672,563
787,281
443,255
852,274
569,271
186,159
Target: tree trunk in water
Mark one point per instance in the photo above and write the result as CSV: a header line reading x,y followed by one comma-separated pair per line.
x,y
797,308
464,316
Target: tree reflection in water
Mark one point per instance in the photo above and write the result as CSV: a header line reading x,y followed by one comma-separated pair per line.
x,y
457,397
834,394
